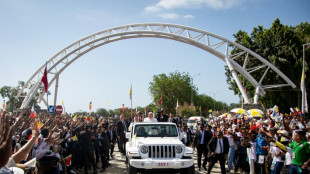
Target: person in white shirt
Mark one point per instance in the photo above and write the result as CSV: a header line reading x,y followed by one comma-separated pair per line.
x,y
231,152
150,118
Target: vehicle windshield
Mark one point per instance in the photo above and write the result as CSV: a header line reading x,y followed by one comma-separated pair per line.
x,y
158,130
192,121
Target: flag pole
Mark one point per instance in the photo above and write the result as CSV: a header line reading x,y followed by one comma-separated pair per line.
x,y
47,87
131,100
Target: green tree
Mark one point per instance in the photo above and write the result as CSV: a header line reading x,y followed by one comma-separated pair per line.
x,y
172,87
12,103
281,45
102,112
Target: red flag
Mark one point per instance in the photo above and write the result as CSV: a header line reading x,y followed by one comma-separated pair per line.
x,y
87,118
123,107
3,105
44,80
68,161
32,115
90,106
160,100
144,109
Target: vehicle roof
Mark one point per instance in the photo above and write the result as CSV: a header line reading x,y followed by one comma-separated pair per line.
x,y
195,117
153,123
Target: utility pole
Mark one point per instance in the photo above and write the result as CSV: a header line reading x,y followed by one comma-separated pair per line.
x,y
214,100
192,102
303,99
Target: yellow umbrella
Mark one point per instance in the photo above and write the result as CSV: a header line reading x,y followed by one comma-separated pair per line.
x,y
255,113
238,110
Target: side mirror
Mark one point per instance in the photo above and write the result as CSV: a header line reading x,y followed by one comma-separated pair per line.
x,y
128,135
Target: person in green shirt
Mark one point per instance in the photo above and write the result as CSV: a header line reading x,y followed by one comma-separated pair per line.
x,y
301,153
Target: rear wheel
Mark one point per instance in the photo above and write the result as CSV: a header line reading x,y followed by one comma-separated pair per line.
x,y
189,170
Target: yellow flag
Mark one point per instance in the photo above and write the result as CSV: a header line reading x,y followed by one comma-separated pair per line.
x,y
39,124
74,138
280,145
210,110
200,108
62,102
130,92
75,117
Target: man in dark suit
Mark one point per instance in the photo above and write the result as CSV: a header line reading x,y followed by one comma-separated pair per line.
x,y
171,119
179,119
202,138
187,136
218,149
121,129
85,139
112,138
162,117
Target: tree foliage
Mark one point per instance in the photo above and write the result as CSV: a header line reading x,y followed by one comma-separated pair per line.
x,y
12,103
171,87
282,46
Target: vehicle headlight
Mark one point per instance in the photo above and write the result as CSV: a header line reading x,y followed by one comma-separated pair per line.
x,y
178,149
144,149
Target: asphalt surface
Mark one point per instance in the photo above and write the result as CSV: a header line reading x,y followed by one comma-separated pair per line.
x,y
118,166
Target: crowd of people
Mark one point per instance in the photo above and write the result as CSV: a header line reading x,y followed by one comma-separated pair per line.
x,y
45,143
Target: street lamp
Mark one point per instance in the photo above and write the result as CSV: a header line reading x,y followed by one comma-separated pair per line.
x,y
192,102
303,69
214,100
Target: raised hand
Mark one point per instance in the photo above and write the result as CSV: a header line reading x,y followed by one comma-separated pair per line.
x,y
6,133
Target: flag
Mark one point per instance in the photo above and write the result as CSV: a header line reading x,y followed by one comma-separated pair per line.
x,y
62,102
199,108
108,104
90,106
44,79
160,100
177,103
136,108
144,109
33,112
3,104
68,160
31,163
123,107
87,118
74,138
130,92
39,124
210,110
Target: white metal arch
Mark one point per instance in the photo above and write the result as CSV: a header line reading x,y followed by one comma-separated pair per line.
x,y
214,44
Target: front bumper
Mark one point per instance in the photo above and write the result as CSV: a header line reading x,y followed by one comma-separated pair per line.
x,y
149,163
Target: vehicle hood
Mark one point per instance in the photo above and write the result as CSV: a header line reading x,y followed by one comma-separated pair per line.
x,y
159,141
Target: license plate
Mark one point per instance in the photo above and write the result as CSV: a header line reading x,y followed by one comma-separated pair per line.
x,y
163,164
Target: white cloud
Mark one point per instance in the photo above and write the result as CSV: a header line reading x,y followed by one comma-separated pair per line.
x,y
173,4
168,15
188,17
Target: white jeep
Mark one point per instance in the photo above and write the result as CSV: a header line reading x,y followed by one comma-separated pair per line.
x,y
157,146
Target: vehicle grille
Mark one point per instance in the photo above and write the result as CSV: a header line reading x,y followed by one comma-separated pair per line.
x,y
161,151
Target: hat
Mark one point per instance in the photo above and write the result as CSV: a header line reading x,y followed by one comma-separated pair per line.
x,y
284,132
266,122
46,156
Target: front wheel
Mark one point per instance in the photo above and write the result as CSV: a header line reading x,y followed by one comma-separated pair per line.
x,y
189,170
130,169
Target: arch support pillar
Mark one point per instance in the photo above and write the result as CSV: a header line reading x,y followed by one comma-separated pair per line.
x,y
235,76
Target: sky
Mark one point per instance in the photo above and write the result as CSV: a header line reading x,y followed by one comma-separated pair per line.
x,y
33,31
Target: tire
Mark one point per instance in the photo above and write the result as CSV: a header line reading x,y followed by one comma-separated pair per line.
x,y
189,170
130,169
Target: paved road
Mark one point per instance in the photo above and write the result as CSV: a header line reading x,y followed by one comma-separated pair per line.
x,y
119,166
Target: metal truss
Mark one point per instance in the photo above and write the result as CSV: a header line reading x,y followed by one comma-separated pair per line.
x,y
214,44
